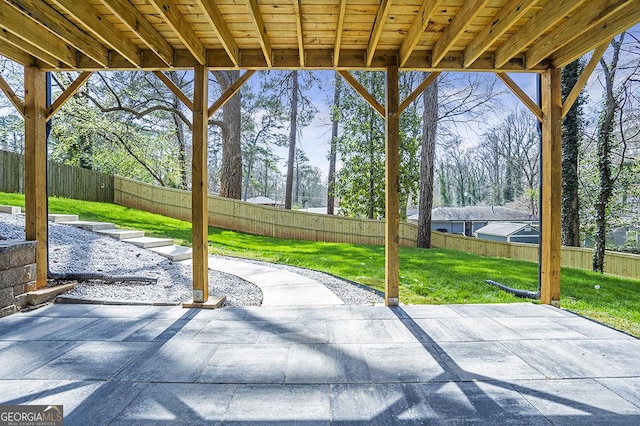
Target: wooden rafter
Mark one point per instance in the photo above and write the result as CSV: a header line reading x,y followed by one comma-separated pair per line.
x,y
138,24
574,27
418,27
11,39
469,10
102,29
376,32
258,22
508,15
174,89
15,54
520,94
421,87
339,26
181,28
49,18
355,84
213,15
555,11
584,76
231,90
68,93
44,44
11,95
299,31
627,17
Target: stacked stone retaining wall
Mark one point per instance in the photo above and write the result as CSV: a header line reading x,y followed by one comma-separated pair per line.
x,y
17,274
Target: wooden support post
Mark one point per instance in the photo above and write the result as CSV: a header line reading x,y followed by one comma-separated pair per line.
x,y
35,167
199,199
551,209
392,196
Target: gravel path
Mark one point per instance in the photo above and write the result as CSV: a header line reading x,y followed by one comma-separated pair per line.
x,y
76,250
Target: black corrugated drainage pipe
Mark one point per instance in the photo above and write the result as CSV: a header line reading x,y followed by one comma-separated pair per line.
x,y
525,294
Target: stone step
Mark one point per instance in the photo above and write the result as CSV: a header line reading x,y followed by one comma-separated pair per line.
x,y
174,252
10,209
89,226
150,242
122,234
57,218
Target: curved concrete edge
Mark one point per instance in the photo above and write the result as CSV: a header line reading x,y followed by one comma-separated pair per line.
x,y
279,287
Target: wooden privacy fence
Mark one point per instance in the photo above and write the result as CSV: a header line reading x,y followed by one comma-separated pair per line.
x,y
63,180
274,222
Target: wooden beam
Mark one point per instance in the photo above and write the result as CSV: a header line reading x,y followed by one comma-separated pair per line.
x,y
51,19
68,93
175,89
376,32
339,27
258,22
582,80
22,45
355,84
552,13
181,28
392,192
418,91
35,168
231,90
418,27
551,169
626,18
299,31
469,10
11,95
15,54
520,94
139,25
41,40
199,184
215,19
102,29
574,27
505,19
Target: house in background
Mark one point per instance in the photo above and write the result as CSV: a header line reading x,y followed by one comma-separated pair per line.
x,y
467,220
262,201
509,232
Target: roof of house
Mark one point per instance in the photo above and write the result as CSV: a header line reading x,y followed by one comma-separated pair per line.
x,y
261,200
503,229
477,213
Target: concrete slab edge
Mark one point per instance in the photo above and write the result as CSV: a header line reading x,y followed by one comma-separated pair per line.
x,y
70,300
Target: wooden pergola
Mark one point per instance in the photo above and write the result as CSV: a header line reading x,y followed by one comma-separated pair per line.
x,y
497,36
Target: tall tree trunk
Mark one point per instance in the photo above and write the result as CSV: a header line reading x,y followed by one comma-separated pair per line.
x,y
293,133
331,184
372,155
605,136
427,158
571,136
231,168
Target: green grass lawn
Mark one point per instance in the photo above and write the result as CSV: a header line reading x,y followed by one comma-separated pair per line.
x,y
427,276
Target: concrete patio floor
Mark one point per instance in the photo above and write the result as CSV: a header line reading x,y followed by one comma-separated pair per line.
x,y
453,364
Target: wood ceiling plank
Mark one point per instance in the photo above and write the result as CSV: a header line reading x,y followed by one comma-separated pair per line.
x,y
140,26
625,19
578,24
258,22
378,25
214,17
102,29
417,29
454,31
25,34
51,19
505,19
299,30
181,28
546,18
339,29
